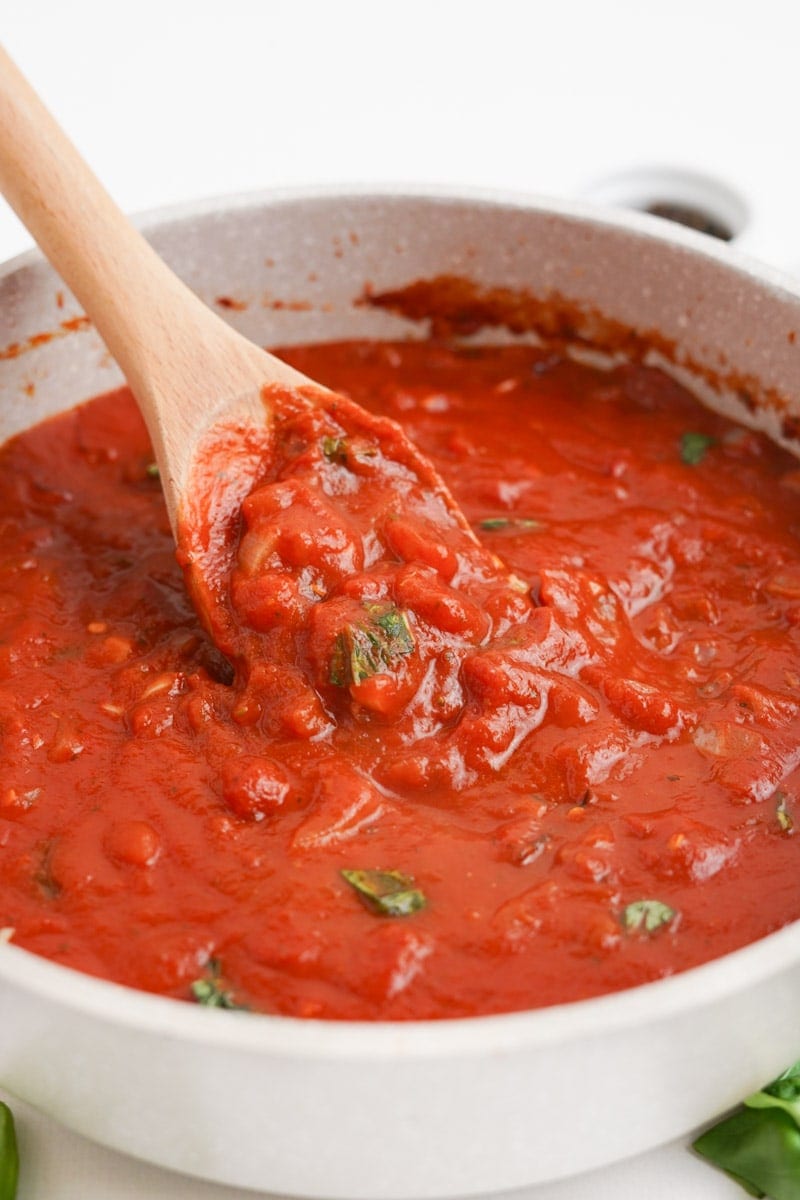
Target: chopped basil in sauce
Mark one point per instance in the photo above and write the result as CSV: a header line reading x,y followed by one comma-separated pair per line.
x,y
694,447
210,992
494,524
152,471
348,450
646,916
386,893
370,647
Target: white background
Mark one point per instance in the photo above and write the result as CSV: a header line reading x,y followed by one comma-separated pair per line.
x,y
177,99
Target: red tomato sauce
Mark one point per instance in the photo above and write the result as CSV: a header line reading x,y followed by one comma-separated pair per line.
x,y
423,789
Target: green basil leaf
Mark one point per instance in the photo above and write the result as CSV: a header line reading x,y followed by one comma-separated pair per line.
x,y
210,991
152,471
394,623
348,451
786,1085
386,893
646,916
694,447
759,1148
493,524
782,1093
369,647
9,1154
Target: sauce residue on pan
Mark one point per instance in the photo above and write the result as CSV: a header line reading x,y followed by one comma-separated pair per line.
x,y
426,798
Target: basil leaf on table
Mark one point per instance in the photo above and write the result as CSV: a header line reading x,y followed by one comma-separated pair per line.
x,y
759,1145
9,1154
783,1092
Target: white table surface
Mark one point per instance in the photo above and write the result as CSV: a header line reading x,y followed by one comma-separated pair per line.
x,y
175,99
58,1165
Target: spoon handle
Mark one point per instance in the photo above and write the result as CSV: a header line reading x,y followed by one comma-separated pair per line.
x,y
126,290
181,360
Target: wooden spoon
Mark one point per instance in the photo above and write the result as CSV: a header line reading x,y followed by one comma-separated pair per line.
x,y
222,416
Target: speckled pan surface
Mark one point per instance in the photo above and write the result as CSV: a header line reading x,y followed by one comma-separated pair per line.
x,y
424,1109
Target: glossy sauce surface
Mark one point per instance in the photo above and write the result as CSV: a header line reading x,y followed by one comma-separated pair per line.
x,y
567,783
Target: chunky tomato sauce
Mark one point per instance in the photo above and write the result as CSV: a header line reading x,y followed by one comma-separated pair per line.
x,y
416,787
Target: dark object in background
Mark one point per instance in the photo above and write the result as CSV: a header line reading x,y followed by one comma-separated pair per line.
x,y
693,218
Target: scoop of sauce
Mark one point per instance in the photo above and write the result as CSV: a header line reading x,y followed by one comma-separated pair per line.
x,y
423,791
346,571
